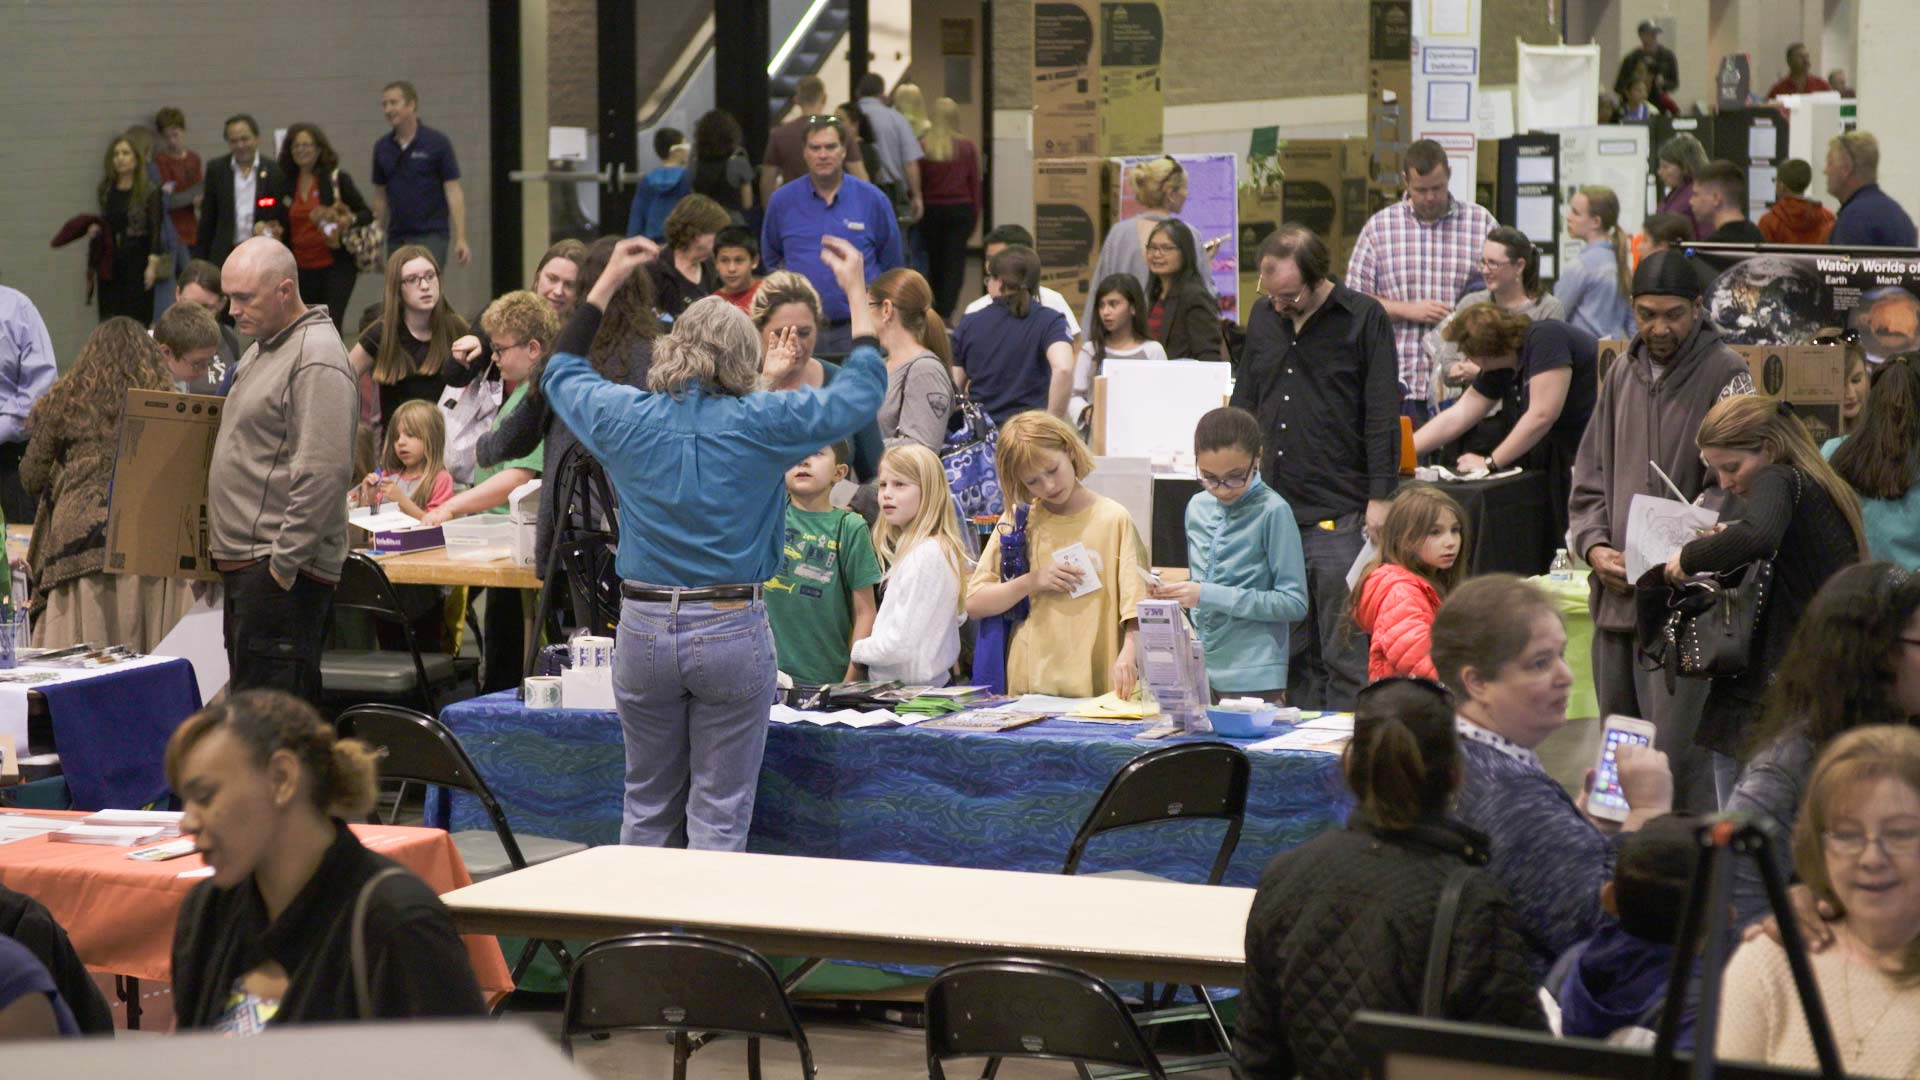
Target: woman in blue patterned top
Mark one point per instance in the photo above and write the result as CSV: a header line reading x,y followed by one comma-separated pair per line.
x,y
698,460
1498,644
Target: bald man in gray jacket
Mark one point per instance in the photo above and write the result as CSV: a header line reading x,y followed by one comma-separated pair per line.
x,y
282,464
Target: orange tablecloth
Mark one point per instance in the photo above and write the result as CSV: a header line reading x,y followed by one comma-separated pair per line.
x,y
120,912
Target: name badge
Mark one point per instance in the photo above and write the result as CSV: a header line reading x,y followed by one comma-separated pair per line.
x,y
856,226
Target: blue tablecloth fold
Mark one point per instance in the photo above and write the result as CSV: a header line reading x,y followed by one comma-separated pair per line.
x,y
112,729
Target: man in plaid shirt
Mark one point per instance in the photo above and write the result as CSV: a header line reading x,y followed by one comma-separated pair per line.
x,y
1415,258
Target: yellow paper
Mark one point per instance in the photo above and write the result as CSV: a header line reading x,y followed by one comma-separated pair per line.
x,y
1112,707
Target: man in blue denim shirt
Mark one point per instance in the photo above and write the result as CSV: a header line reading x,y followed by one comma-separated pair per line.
x,y
698,460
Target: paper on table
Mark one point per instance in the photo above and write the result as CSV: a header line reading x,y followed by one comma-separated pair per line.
x,y
1044,703
1657,528
1311,740
1111,706
1087,562
1327,722
199,638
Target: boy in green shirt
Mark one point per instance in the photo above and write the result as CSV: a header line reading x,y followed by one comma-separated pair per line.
x,y
821,601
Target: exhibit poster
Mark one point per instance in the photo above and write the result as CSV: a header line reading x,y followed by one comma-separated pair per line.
x,y
1794,295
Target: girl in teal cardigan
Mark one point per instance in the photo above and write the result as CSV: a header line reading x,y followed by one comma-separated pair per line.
x,y
1248,577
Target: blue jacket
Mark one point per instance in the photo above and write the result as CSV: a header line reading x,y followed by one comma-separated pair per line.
x,y
1870,217
660,191
1254,585
1615,980
1893,525
1589,288
700,474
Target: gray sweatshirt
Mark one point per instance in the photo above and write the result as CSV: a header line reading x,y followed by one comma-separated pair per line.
x,y
283,460
1641,418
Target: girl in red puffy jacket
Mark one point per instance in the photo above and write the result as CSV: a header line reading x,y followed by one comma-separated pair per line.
x,y
1422,558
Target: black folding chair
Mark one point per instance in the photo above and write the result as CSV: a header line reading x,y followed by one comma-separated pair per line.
x,y
384,674
416,748
1184,782
1031,1009
586,535
684,984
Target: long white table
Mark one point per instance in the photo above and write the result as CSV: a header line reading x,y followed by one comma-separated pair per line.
x,y
881,912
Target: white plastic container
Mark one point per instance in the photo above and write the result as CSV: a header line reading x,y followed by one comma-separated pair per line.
x,y
479,536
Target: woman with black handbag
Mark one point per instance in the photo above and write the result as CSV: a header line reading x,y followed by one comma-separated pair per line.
x,y
1794,513
1396,912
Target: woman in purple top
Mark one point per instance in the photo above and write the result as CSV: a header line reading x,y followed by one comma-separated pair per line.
x,y
1680,158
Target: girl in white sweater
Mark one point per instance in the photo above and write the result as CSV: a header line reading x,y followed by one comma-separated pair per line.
x,y
916,635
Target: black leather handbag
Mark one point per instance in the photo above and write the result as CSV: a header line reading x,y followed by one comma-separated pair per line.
x,y
1707,626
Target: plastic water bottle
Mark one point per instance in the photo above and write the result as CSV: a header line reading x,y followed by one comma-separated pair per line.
x,y
1562,566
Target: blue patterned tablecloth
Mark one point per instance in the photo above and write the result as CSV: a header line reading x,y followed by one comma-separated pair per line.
x,y
1008,800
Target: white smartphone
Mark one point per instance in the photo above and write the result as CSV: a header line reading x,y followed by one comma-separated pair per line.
x,y
1607,800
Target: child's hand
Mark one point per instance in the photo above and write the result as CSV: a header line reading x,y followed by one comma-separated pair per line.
x,y
1056,578
1186,592
436,517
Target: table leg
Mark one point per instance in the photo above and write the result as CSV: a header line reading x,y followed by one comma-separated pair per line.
x,y
128,988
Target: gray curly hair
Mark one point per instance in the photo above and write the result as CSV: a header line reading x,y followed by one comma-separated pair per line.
x,y
712,341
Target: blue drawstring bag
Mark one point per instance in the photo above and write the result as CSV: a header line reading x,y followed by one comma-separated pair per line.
x,y
995,632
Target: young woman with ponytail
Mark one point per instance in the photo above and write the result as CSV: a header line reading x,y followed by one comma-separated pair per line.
x,y
1594,287
1344,921
919,388
267,790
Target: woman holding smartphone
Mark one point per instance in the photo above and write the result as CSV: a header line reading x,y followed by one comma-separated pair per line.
x,y
1498,645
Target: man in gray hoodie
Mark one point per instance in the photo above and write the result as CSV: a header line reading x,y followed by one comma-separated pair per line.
x,y
1651,403
282,463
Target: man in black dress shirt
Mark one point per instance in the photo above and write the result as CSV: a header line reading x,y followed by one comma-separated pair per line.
x,y
1321,375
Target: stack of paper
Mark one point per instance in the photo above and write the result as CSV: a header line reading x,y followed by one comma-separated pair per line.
x,y
26,826
166,821
1112,708
1308,739
109,835
856,718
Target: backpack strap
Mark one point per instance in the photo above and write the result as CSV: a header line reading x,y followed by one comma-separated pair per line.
x,y
1433,991
357,942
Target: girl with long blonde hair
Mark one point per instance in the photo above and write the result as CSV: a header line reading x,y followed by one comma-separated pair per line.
x,y
916,634
412,474
408,349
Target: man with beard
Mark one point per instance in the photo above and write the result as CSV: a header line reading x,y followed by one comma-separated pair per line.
x,y
1651,404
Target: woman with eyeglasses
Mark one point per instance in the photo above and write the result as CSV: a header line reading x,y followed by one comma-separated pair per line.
x,y
1344,922
1857,847
409,350
1880,461
1160,187
1510,266
1854,661
1497,644
1182,314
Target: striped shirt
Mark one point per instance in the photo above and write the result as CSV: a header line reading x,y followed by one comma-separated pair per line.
x,y
1399,257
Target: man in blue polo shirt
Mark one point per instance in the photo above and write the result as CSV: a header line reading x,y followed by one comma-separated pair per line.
x,y
1868,216
828,202
416,180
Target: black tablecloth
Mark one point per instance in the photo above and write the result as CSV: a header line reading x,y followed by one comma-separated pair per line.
x,y
1508,522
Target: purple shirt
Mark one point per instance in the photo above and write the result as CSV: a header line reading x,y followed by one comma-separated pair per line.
x,y
26,362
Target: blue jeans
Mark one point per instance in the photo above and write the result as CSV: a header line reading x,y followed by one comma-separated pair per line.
x,y
1329,662
693,687
435,242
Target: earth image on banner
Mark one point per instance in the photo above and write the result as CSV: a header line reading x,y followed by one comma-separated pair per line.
x,y
1766,300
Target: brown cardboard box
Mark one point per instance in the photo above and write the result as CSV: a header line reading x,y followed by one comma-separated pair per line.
x,y
1262,210
1097,78
1812,378
1389,90
157,510
1072,209
1326,190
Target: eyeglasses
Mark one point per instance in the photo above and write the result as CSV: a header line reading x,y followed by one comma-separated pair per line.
x,y
1233,481
421,278
1495,264
1445,694
1852,843
500,350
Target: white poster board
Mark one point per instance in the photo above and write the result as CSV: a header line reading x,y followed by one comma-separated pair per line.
x,y
1559,87
1152,406
1446,85
1612,155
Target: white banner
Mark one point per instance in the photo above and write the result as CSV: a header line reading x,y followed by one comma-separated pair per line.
x,y
1559,87
1446,84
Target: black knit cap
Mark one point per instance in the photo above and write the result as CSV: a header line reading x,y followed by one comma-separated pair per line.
x,y
1667,273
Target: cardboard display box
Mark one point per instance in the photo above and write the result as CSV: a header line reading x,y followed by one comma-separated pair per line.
x,y
1611,349
157,522
389,530
1326,189
1097,77
1389,91
1262,211
1072,209
1811,378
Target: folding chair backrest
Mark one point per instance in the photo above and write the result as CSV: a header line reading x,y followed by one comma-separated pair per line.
x,y
679,982
364,587
1030,1009
416,748
1189,780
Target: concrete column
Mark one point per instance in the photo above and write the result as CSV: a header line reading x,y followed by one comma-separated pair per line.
x,y
1889,39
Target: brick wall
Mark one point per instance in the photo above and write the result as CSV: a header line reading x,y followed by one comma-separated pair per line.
x,y
1238,50
75,74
